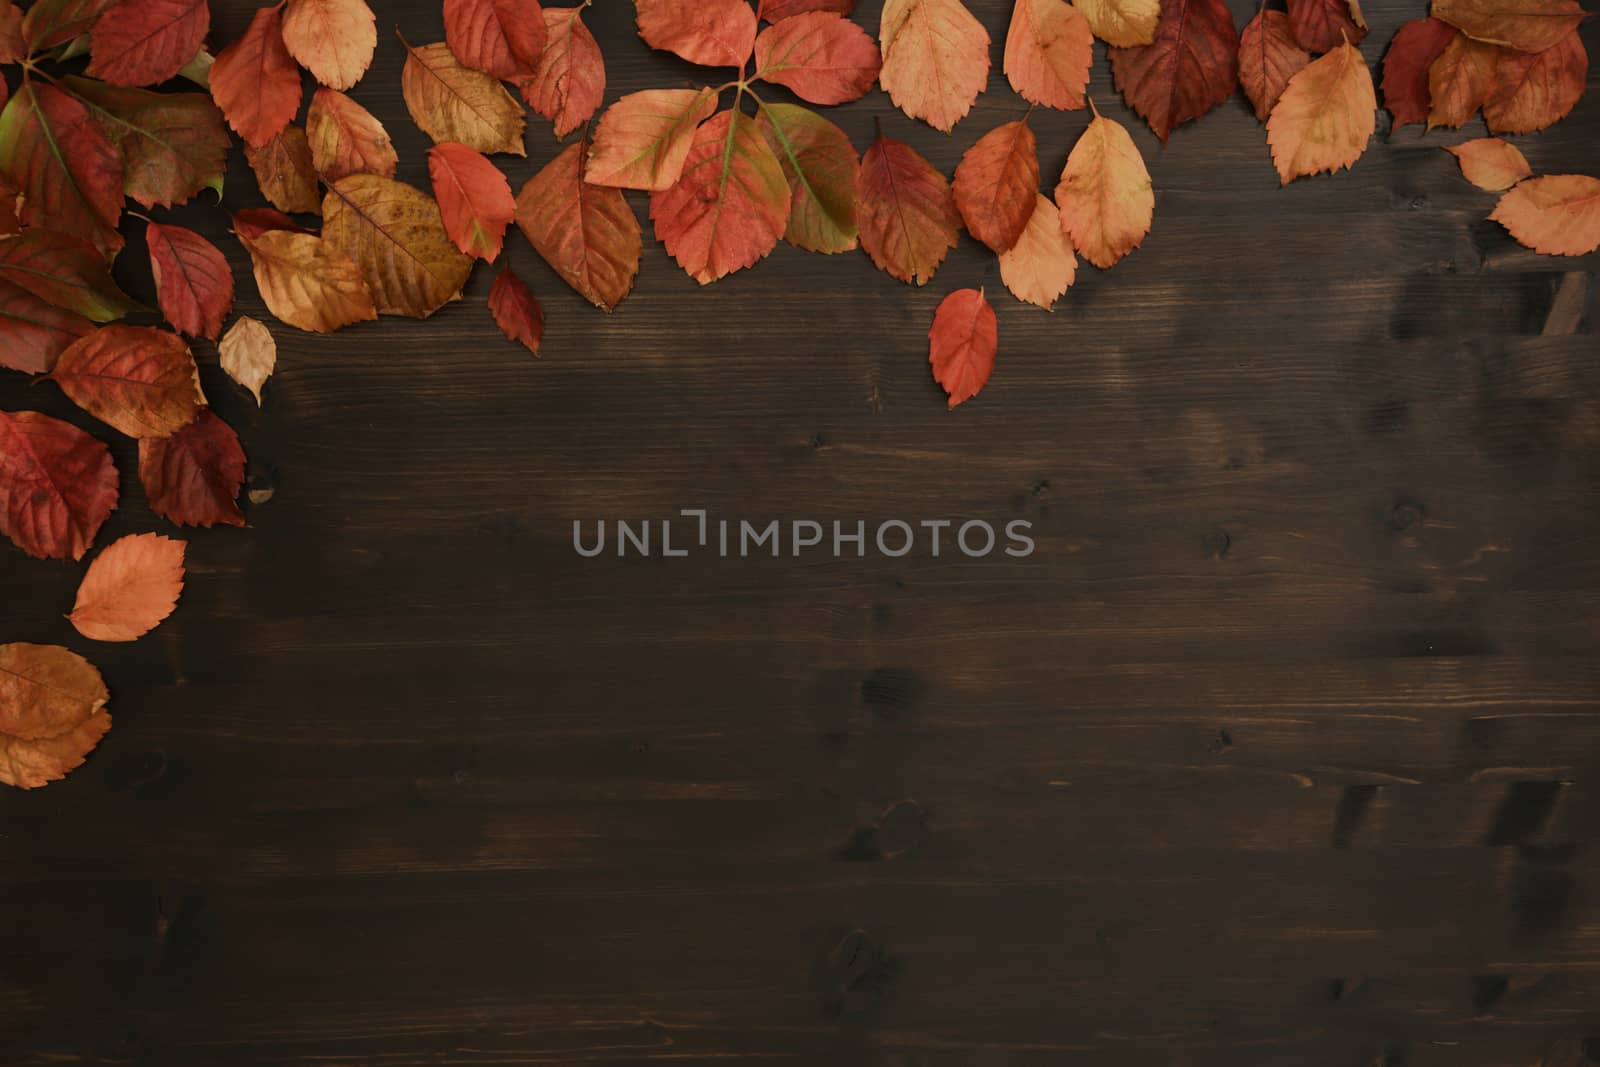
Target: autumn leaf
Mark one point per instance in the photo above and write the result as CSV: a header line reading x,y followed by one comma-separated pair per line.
x,y
1040,267
996,184
516,311
129,588
778,10
147,42
57,485
52,713
643,139
712,33
193,477
31,764
587,233
499,37
451,102
13,46
1405,68
34,332
569,81
1490,163
345,138
935,59
1104,195
1190,67
137,379
194,283
248,354
1048,52
1525,25
48,23
821,167
58,157
1558,215
730,205
961,344
820,57
906,210
285,172
304,280
1268,57
474,200
1122,23
396,236
255,81
173,145
250,222
64,271
333,39
1325,117
1323,25
1460,81
1531,92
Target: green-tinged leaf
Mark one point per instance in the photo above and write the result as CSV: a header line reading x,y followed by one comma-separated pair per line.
x,y
173,144
821,165
65,271
59,158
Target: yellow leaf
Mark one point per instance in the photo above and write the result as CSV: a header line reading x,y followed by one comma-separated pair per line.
x,y
1105,196
450,102
248,354
307,282
1124,23
935,59
398,240
1325,116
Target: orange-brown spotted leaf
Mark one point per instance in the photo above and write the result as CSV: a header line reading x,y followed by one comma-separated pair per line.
x,y
1040,267
142,42
516,311
333,39
1048,51
194,284
304,280
193,477
996,183
962,344
129,588
474,198
173,145
137,379
397,237
248,353
1323,25
1268,57
643,139
45,690
569,81
1525,25
57,485
1460,80
1122,23
935,59
1490,163
1533,91
731,204
821,57
906,210
59,159
1104,195
499,37
1558,214
285,171
452,102
1190,67
587,233
1325,117
1405,68
821,166
33,331
713,33
65,271
255,81
346,138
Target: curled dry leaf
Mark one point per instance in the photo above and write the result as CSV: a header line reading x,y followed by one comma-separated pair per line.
x,y
1558,215
137,379
820,165
52,713
147,42
1049,48
1189,68
1525,25
65,271
587,233
1268,57
713,33
962,344
819,56
1531,92
1040,267
57,485
193,477
130,588
304,280
1460,80
1122,23
643,139
569,81
1104,195
474,199
935,59
499,37
173,145
333,39
1325,117
345,138
249,354
1490,163
516,311
1406,65
396,236
906,210
194,283
255,81
33,331
996,184
1323,25
59,159
451,102
285,173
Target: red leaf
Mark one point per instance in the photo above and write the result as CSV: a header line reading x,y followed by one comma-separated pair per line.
x,y
52,22
1323,25
253,221
906,211
713,33
499,37
193,477
1534,90
569,81
1405,68
1268,57
255,81
820,57
516,311
65,271
474,199
173,144
962,343
997,184
33,333
57,485
193,281
1460,80
587,233
286,172
137,379
1190,68
13,46
141,42
58,157
778,10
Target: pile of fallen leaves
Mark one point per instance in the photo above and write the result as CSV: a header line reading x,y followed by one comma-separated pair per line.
x,y
100,114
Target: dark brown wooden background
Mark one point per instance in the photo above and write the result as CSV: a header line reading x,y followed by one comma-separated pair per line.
x,y
1280,750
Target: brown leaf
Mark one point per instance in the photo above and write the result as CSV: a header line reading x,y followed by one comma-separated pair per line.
x,y
962,343
345,138
1526,25
52,712
1190,67
333,39
285,173
248,354
48,23
396,236
306,281
516,311
193,477
906,210
451,102
1490,163
1460,80
30,764
1323,25
173,145
587,233
137,379
57,485
130,588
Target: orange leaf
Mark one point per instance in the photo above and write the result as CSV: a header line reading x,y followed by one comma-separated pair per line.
x,y
935,59
148,41
57,485
713,33
451,102
1490,163
587,233
173,144
285,172
1041,266
304,280
474,199
1049,48
333,39
194,283
52,712
1325,117
130,587
1558,215
996,183
30,764
193,477
346,138
137,379
906,210
820,165
499,37
961,344
1190,67
1526,25
1531,92
1268,57
1405,68
34,332
255,81
569,81
58,158
1323,25
397,237
1121,23
643,139
1460,81
820,57
516,311
1104,194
